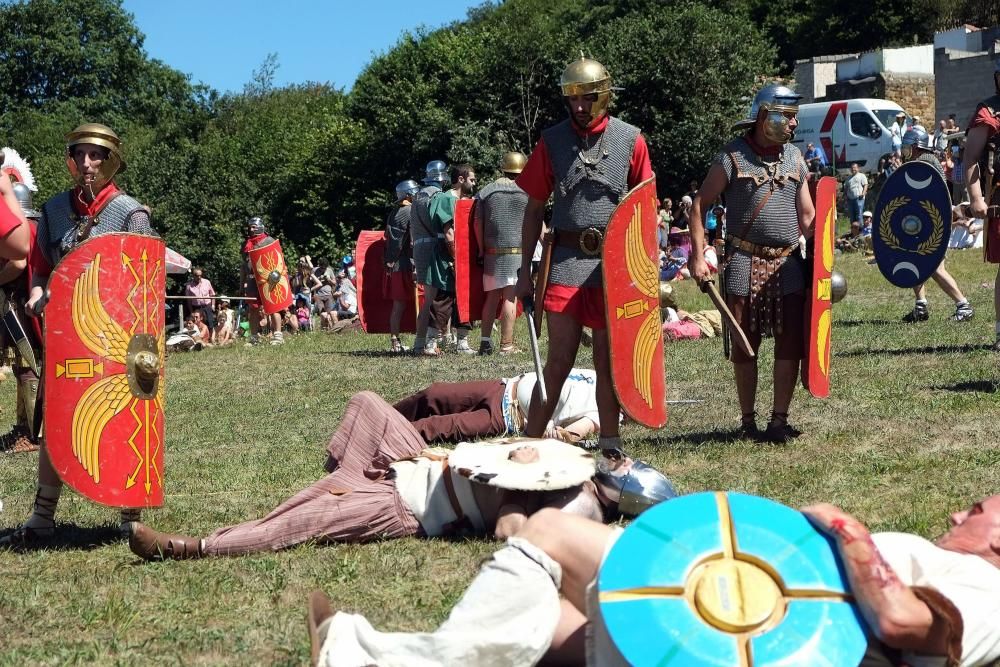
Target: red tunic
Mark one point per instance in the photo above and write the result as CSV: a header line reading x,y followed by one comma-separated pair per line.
x,y
984,118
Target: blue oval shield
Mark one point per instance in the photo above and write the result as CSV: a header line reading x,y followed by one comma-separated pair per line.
x,y
912,224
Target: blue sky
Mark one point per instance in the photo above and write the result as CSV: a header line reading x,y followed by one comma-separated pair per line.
x,y
221,42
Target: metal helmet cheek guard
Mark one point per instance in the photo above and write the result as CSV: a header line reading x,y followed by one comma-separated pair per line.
x,y
776,100
98,135
255,226
635,489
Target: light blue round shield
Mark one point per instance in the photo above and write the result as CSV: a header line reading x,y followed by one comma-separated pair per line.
x,y
727,579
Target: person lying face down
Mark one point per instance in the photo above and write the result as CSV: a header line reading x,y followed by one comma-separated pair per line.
x,y
924,603
384,483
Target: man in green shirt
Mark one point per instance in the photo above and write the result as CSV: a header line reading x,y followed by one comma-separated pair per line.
x,y
440,272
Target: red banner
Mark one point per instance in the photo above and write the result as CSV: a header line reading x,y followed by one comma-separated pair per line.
x,y
631,295
104,369
819,314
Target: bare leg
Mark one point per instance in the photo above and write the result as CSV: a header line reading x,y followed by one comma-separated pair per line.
x,y
564,339
920,292
396,317
607,403
425,311
508,314
947,284
786,374
489,313
746,385
569,644
577,544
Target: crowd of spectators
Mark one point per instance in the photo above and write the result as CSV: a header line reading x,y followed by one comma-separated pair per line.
x,y
674,236
323,299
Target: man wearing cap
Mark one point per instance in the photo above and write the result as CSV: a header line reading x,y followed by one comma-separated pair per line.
x,y
866,223
396,258
588,163
384,483
497,215
896,131
923,603
982,148
763,179
917,146
94,206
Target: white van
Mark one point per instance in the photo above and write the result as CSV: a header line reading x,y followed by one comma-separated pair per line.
x,y
848,131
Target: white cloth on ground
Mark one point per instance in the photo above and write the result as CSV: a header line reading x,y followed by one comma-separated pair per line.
x,y
577,399
507,616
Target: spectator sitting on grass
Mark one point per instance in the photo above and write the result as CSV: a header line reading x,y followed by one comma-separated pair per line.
x,y
346,305
303,313
204,333
188,338
225,323
853,240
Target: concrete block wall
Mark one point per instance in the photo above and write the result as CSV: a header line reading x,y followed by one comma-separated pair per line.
x,y
963,80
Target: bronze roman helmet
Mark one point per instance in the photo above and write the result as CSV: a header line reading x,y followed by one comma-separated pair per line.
x,y
513,162
585,77
98,135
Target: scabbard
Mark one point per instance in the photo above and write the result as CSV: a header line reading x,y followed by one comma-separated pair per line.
x,y
735,331
542,279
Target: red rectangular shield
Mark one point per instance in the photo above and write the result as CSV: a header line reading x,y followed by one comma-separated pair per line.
x,y
630,265
104,369
271,275
374,304
469,292
819,315
468,272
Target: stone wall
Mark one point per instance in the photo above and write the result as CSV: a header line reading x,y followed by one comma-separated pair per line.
x,y
914,92
812,76
963,80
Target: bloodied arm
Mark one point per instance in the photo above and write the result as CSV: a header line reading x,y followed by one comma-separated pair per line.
x,y
892,610
715,183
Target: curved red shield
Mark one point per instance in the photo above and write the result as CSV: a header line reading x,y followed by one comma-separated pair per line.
x,y
631,299
819,315
469,295
374,303
271,275
104,369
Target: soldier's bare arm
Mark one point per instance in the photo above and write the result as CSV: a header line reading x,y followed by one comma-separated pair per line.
x,y
891,609
714,185
531,231
975,143
806,210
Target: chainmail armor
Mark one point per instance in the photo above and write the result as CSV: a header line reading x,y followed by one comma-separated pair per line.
x,y
57,230
397,240
591,178
500,205
422,230
777,223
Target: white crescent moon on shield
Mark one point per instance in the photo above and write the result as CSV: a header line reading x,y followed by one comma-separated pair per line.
x,y
909,266
918,185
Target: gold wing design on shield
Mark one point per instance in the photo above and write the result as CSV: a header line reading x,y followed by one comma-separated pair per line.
x,y
101,334
643,274
102,401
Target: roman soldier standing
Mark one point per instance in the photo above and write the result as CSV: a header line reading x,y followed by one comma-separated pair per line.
x,y
763,179
257,238
424,241
396,257
93,207
498,214
982,148
588,162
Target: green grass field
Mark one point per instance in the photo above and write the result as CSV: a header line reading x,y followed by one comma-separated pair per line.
x,y
909,434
